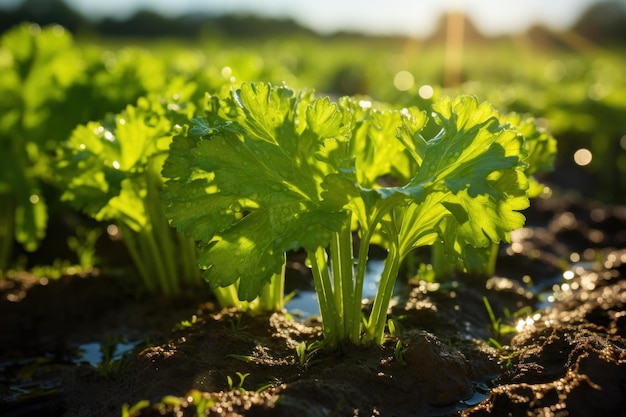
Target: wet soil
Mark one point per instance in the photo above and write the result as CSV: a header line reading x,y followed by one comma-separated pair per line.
x,y
561,283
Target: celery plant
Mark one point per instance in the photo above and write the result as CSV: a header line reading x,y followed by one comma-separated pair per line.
x,y
540,148
37,68
44,80
112,171
267,170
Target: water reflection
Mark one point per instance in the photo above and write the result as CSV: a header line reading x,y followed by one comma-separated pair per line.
x,y
304,304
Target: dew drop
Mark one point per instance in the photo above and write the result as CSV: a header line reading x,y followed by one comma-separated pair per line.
x,y
365,104
108,136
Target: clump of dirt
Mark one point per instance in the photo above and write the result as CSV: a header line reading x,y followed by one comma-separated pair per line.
x,y
572,361
561,282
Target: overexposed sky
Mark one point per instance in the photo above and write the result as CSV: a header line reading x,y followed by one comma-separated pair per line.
x,y
408,17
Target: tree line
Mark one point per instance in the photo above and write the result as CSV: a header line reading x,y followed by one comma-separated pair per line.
x,y
602,23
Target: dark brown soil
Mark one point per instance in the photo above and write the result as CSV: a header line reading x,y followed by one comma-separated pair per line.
x,y
569,359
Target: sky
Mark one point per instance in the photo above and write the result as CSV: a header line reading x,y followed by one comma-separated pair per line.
x,y
405,17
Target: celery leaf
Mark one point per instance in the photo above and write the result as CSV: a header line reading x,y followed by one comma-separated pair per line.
x,y
250,190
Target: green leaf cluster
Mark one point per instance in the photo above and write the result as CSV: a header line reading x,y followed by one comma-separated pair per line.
x,y
540,151
48,85
267,170
36,68
111,170
250,185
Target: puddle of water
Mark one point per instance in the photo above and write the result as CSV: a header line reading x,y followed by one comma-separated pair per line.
x,y
93,352
29,378
562,285
476,398
304,304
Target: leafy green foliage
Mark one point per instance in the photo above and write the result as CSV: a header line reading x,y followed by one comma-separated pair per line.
x,y
37,67
541,148
48,85
110,162
252,187
112,172
275,171
480,260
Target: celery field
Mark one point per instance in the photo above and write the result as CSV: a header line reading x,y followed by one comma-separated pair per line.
x,y
311,225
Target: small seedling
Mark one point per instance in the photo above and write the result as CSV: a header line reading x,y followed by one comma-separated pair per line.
x,y
239,386
237,322
270,384
305,353
242,358
497,328
111,362
395,331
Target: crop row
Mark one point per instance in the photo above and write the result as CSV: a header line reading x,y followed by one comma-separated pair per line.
x,y
248,171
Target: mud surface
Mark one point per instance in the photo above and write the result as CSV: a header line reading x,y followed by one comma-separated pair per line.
x,y
561,283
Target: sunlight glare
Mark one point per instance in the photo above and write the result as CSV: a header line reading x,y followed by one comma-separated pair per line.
x,y
365,104
527,322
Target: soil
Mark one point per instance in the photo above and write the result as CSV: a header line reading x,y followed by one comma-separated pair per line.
x,y
561,282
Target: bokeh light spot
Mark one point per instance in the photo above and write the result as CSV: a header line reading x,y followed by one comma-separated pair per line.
x,y
583,157
426,92
403,81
